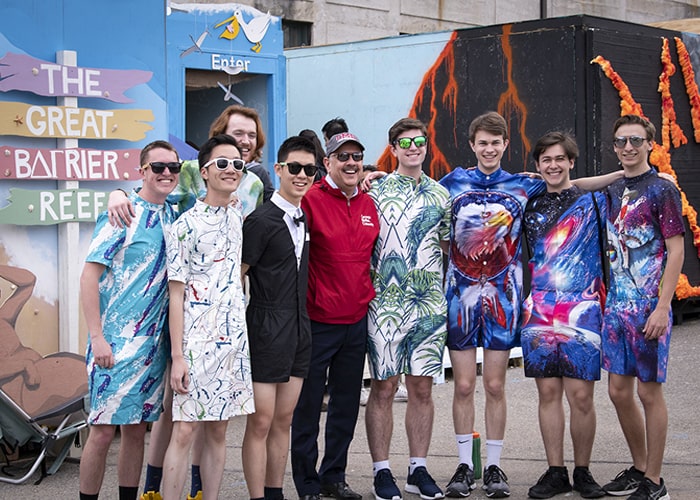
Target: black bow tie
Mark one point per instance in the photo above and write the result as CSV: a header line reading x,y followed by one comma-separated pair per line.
x,y
299,219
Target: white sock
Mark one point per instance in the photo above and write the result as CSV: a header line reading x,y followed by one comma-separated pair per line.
x,y
493,452
377,466
416,462
465,447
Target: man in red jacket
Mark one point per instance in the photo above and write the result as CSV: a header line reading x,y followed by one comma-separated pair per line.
x,y
343,226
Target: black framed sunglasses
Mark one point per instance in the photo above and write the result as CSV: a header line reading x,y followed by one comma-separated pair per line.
x,y
159,167
295,167
357,156
223,163
635,140
405,142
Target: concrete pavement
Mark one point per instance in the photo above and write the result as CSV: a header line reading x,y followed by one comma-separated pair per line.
x,y
523,454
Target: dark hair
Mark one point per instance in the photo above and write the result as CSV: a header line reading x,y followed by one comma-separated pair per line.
x,y
490,122
295,143
403,125
311,135
206,149
636,120
155,145
334,126
568,143
220,124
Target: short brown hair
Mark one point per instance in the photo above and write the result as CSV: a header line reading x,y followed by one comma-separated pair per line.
x,y
156,145
490,122
636,120
567,141
221,123
405,124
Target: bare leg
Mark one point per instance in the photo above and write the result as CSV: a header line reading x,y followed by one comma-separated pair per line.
x,y
621,392
278,436
257,428
582,424
131,454
176,458
419,414
656,413
213,435
379,419
464,373
552,419
163,428
494,375
94,458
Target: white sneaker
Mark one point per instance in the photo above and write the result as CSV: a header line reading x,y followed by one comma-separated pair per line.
x,y
364,396
401,394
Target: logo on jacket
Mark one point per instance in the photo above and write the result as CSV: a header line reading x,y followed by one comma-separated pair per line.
x,y
367,220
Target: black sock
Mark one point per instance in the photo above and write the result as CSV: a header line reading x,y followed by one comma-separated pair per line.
x,y
196,481
273,494
85,496
154,475
128,492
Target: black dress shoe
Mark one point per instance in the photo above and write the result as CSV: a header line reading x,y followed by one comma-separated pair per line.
x,y
339,490
310,497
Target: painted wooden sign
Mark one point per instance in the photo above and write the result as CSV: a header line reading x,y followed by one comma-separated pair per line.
x,y
77,164
22,72
27,120
32,207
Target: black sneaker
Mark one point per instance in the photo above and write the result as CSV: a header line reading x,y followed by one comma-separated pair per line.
x,y
421,483
385,486
552,482
649,491
462,482
586,485
495,482
625,483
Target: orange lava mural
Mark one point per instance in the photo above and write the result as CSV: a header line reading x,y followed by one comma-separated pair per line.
x,y
661,155
509,104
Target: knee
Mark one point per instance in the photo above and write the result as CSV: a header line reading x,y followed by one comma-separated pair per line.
x,y
101,436
216,434
619,394
650,394
494,389
182,434
134,433
258,425
582,403
464,388
383,390
422,392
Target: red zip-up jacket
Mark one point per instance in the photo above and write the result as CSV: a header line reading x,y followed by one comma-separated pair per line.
x,y
342,234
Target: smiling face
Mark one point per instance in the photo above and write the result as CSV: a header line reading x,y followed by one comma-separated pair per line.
x,y
156,187
346,174
293,187
410,160
633,158
489,150
554,166
221,183
244,130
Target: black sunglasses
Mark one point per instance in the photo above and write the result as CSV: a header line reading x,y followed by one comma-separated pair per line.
x,y
295,167
223,163
159,167
346,156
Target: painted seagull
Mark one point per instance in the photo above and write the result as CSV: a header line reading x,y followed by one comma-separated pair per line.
x,y
229,95
196,45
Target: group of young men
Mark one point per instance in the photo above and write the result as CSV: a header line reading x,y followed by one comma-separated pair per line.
x,y
338,274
